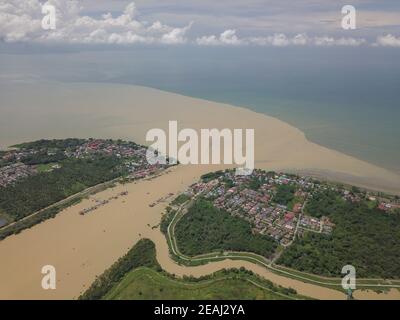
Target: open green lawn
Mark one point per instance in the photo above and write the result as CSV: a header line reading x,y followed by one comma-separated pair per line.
x,y
145,283
137,275
45,167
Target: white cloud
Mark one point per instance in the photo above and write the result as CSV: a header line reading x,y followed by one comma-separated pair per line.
x,y
300,40
176,35
255,17
21,21
329,41
229,37
388,41
208,41
276,40
17,19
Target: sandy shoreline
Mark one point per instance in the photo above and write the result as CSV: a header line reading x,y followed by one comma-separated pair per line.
x,y
81,247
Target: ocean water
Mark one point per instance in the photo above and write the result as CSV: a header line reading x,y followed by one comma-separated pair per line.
x,y
346,99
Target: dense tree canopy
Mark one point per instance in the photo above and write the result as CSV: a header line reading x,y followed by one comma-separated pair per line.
x,y
41,190
284,194
143,254
52,144
367,238
205,229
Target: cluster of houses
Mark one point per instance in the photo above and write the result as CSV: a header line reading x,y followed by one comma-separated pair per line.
x,y
389,206
323,225
256,205
106,147
134,157
16,155
11,173
351,196
12,169
383,203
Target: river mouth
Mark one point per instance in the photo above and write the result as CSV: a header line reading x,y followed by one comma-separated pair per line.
x,y
76,244
82,247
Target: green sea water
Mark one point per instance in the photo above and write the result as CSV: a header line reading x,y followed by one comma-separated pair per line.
x,y
344,99
347,99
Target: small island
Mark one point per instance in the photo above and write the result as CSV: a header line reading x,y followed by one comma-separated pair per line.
x,y
38,179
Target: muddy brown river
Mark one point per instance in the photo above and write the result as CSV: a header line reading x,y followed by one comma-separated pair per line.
x,y
82,247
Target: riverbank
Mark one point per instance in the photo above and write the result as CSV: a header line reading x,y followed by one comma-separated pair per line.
x,y
82,247
368,286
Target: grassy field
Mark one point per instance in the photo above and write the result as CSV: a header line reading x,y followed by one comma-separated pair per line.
x,y
148,284
137,275
45,167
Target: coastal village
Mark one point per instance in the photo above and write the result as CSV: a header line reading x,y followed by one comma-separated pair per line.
x,y
258,199
14,164
12,173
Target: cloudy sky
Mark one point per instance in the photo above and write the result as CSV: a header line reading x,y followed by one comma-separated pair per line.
x,y
202,23
288,58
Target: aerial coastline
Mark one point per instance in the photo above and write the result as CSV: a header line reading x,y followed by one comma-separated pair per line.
x,y
210,164
82,247
128,112
77,244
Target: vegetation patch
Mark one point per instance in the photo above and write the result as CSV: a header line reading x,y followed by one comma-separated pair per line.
x,y
205,229
212,175
137,275
143,254
182,198
39,191
365,237
285,194
166,220
232,284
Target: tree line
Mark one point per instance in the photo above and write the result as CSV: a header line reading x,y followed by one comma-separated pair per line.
x,y
142,254
205,228
367,238
41,190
